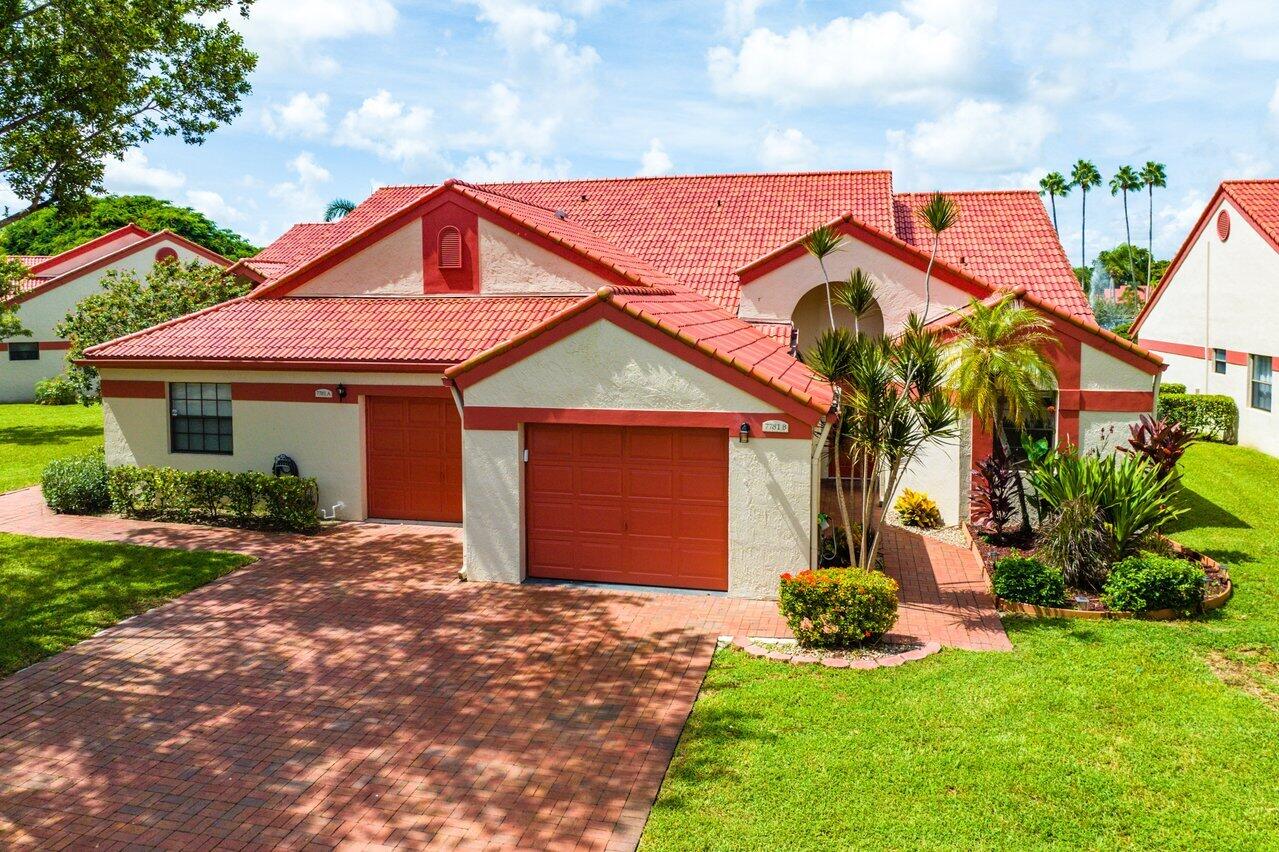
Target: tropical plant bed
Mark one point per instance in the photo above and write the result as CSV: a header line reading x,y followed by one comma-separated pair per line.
x,y
1088,604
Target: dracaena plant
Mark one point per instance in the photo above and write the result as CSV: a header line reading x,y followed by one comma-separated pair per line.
x,y
993,495
1161,442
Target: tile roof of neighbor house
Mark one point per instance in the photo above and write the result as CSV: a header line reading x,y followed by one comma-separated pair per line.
x,y
440,330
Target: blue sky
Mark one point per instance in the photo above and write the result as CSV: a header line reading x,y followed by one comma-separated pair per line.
x,y
950,94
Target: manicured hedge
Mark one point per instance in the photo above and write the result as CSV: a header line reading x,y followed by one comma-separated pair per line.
x,y
1029,581
1146,582
1171,387
838,607
249,499
76,485
1211,415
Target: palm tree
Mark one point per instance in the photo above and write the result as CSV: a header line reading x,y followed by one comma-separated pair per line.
x,y
338,208
1126,180
938,215
1085,176
857,296
1054,185
998,371
1152,175
821,244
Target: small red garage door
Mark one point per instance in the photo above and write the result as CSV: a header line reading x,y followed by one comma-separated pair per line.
x,y
615,504
414,458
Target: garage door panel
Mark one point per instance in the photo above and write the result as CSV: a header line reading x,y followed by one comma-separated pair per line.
x,y
413,458
648,505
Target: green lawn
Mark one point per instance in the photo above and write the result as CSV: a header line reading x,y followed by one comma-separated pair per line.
x,y
31,436
1090,734
55,592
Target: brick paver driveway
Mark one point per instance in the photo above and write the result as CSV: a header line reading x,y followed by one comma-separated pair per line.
x,y
346,690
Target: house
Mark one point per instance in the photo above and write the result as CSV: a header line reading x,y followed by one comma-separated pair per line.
x,y
1210,317
596,377
55,284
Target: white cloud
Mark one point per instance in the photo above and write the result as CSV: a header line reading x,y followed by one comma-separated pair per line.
x,y
212,205
509,120
495,166
1273,108
975,136
1179,217
300,200
303,116
1246,164
787,150
390,129
739,15
134,173
655,160
526,30
929,48
288,33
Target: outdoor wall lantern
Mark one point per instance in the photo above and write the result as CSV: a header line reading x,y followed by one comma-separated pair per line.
x,y
744,433
341,391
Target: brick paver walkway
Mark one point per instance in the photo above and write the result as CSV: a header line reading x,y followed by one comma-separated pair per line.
x,y
347,690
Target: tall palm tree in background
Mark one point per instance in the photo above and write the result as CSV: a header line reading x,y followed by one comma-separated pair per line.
x,y
821,244
998,370
1085,176
1126,180
1152,175
1054,185
938,215
338,208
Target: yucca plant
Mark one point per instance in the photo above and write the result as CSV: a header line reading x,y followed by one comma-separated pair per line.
x,y
939,214
857,296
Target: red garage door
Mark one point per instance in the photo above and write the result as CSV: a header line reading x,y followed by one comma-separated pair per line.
x,y
414,458
615,504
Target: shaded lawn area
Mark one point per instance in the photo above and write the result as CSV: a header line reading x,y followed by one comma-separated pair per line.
x,y
55,592
1089,734
31,436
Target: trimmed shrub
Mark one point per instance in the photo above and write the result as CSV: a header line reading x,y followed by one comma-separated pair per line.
x,y
1171,387
248,499
76,485
838,607
55,391
1146,582
1029,581
916,509
1210,415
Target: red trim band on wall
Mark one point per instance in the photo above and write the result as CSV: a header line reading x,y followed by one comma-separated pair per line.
x,y
1233,356
498,418
132,389
306,392
1125,401
42,345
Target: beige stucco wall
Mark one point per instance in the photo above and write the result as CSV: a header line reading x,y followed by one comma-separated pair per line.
x,y
604,366
1222,296
41,313
942,471
390,267
1099,370
900,287
492,471
512,264
326,439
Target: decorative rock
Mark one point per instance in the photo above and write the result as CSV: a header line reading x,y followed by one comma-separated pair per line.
x,y
835,662
779,656
806,659
756,651
891,660
802,657
742,642
865,664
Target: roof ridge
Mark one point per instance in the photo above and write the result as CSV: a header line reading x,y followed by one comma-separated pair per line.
x,y
968,192
641,178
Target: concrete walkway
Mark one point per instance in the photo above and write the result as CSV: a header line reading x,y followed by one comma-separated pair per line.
x,y
347,690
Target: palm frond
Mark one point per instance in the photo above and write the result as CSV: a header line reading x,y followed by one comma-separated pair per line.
x,y
338,208
857,294
823,242
939,213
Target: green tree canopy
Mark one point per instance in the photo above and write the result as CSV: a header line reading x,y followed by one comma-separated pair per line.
x,y
49,232
127,304
1126,264
85,80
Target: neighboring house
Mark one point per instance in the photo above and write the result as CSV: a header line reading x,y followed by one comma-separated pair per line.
x,y
1212,317
596,376
56,284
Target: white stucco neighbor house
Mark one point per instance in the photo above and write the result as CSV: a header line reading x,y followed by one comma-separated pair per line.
x,y
596,378
1214,317
56,283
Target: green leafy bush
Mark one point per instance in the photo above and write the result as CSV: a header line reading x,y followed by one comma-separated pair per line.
x,y
838,607
916,509
248,499
1210,415
1146,582
1029,581
1171,387
1131,494
55,391
76,485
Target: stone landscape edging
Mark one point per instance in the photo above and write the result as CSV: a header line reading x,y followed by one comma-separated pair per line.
x,y
815,657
